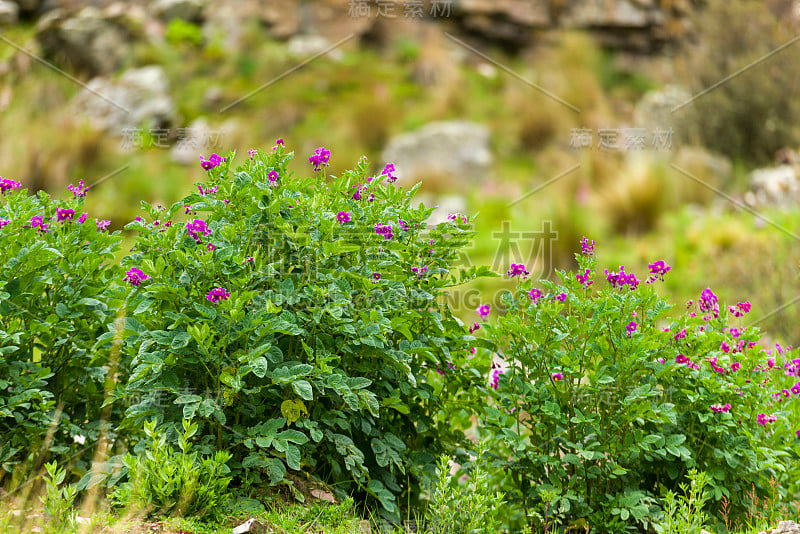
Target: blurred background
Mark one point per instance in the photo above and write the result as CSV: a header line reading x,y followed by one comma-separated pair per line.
x,y
662,129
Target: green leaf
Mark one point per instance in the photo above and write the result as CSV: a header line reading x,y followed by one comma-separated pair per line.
x,y
303,389
260,366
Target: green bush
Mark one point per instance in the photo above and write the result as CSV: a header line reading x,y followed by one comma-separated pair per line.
x,y
56,298
163,482
602,407
296,334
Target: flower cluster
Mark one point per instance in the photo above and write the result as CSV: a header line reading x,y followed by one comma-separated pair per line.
x,y
763,419
708,303
621,278
657,271
453,217
320,158
197,228
387,171
420,272
385,230
78,190
103,225
517,269
740,309
209,191
38,222
8,185
720,408
213,161
587,249
65,214
4,222
584,278
217,294
135,276
495,378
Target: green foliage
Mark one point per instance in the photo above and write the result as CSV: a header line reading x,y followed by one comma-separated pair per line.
x,y
180,31
684,513
56,298
598,408
471,508
58,501
308,363
165,482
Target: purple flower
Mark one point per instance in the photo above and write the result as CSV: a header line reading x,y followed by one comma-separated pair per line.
x,y
708,303
376,277
135,277
208,191
252,153
561,297
38,222
385,230
217,294
78,190
272,176
735,366
587,249
343,217
388,170
535,294
621,278
197,228
657,271
557,376
82,218
483,310
65,214
211,247
453,217
212,162
584,278
631,328
474,328
102,226
278,143
724,347
420,272
796,389
8,185
357,194
4,222
495,378
320,158
517,269
719,408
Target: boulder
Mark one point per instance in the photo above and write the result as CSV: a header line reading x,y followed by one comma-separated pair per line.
x,y
654,110
775,186
9,13
452,152
617,14
511,21
88,41
787,527
189,10
139,98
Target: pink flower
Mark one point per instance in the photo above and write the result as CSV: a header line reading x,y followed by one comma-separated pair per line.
x,y
217,294
210,246
78,190
483,310
535,294
135,276
725,347
562,297
557,376
587,248
735,366
387,171
495,378
343,217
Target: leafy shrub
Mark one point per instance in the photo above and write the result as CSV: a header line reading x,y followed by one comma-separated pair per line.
x,y
55,296
755,113
468,509
58,501
297,323
599,405
684,513
164,482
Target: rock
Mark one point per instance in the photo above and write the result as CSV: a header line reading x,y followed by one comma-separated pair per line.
x,y
619,13
188,10
88,41
511,21
445,205
251,525
191,143
654,110
28,6
304,46
140,98
450,152
786,527
9,13
281,18
776,186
